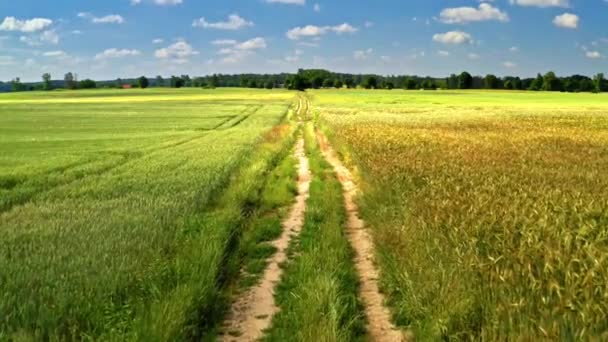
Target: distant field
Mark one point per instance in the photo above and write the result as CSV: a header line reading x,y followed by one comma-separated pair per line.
x,y
489,209
101,196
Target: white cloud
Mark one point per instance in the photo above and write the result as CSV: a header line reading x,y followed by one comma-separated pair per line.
x,y
168,2
453,37
542,3
117,53
509,64
362,55
316,31
473,56
593,54
234,22
462,15
46,37
158,41
55,54
566,20
28,25
108,19
443,53
237,51
224,42
317,8
178,52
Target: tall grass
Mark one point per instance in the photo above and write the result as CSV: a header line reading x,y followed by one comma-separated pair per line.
x,y
489,217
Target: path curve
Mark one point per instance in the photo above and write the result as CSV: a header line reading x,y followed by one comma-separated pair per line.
x,y
379,325
252,313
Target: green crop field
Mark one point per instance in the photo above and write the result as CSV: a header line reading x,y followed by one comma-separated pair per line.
x,y
143,214
101,194
489,209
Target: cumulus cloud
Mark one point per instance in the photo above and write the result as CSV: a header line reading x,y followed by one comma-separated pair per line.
x,y
593,54
235,51
108,19
178,52
46,37
566,20
542,3
234,22
117,53
27,25
362,55
453,37
316,31
56,54
462,15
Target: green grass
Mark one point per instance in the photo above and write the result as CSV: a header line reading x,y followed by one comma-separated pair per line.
x,y
488,209
106,207
318,292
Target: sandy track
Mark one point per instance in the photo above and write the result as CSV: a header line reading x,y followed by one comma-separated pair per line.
x,y
252,313
379,326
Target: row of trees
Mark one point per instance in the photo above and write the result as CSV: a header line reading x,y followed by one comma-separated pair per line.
x,y
318,78
547,82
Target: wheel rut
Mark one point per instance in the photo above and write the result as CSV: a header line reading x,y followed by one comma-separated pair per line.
x,y
252,313
379,325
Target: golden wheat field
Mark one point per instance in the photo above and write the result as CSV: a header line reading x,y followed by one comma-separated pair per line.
x,y
489,209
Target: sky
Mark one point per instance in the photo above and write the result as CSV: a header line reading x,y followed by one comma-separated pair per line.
x,y
108,39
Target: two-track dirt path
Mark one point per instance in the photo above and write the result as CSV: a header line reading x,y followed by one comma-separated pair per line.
x,y
379,325
252,313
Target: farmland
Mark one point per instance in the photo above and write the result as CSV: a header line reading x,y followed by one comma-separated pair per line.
x,y
112,221
158,214
488,209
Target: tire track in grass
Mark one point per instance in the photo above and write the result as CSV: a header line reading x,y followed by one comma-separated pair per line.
x,y
379,325
252,313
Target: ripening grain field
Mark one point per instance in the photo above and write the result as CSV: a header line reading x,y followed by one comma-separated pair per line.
x,y
489,209
111,221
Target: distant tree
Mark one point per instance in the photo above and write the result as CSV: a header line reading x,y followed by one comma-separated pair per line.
x,y
428,84
537,84
176,82
187,81
349,82
317,82
598,83
298,82
269,85
70,81
119,83
253,84
389,85
370,82
338,84
491,82
452,82
509,84
143,82
328,83
87,84
465,80
160,82
411,83
551,82
46,81
517,84
214,81
16,85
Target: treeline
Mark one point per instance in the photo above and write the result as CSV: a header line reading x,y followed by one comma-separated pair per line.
x,y
318,78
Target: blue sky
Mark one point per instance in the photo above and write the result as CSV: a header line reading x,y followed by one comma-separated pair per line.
x,y
127,38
